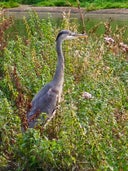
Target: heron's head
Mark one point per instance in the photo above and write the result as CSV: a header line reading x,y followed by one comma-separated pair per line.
x,y
67,35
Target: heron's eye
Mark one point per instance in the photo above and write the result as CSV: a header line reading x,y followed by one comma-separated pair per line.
x,y
70,34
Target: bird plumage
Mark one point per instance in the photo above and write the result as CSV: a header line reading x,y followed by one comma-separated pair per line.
x,y
45,101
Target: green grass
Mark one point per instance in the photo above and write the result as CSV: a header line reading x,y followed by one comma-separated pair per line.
x,y
88,5
10,4
85,134
105,5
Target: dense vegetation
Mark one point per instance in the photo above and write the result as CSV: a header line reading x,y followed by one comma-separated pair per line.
x,y
88,4
86,133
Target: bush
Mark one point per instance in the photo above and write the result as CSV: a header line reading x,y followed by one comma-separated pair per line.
x,y
30,1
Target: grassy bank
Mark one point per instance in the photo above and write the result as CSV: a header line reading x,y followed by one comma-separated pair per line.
x,y
86,134
89,5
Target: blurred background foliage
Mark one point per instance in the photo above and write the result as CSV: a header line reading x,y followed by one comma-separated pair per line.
x,y
88,4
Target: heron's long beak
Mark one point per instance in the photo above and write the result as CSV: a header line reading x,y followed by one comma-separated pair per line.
x,y
81,35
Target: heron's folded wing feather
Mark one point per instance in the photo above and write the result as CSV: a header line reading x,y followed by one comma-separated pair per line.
x,y
45,103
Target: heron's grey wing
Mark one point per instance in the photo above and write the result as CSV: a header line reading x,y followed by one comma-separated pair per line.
x,y
45,102
41,93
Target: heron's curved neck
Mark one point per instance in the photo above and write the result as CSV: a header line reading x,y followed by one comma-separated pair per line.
x,y
59,73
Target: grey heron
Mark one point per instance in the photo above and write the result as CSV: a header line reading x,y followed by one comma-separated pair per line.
x,y
45,101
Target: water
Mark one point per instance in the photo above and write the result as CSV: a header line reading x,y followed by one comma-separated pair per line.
x,y
91,19
55,12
